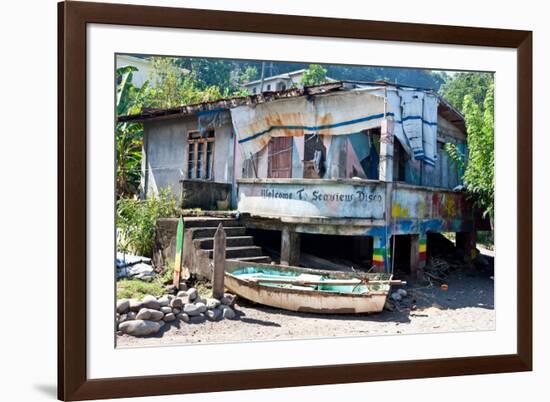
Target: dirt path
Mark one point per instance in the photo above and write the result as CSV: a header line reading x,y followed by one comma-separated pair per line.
x,y
466,306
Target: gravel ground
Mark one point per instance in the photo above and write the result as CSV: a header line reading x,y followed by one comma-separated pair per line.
x,y
466,306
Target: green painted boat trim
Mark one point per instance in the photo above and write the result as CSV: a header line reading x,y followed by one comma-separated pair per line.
x,y
259,273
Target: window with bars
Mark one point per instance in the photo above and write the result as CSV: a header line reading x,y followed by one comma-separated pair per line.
x,y
200,155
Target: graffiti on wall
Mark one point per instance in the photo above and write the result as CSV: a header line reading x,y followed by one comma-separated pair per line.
x,y
365,201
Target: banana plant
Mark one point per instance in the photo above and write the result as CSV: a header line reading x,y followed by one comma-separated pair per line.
x,y
129,135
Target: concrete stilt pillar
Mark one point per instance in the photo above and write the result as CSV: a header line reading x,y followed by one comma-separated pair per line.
x,y
466,241
422,250
381,254
290,247
418,256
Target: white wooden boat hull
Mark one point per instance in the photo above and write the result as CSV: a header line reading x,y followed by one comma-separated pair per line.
x,y
312,301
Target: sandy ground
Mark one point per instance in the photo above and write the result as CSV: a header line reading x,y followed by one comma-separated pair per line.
x,y
466,306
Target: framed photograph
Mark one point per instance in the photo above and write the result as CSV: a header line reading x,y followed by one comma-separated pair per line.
x,y
256,201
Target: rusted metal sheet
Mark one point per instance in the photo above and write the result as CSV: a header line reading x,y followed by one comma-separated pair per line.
x,y
228,103
313,198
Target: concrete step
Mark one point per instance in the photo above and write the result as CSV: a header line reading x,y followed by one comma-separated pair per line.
x,y
208,232
204,222
238,252
235,241
260,259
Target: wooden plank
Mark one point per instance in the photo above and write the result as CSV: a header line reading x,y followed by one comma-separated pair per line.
x,y
219,263
204,172
195,159
280,157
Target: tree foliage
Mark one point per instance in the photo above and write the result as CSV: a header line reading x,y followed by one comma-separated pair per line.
x,y
128,135
473,84
136,220
250,73
174,86
480,162
314,75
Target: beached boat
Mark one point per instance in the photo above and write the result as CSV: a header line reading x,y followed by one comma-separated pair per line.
x,y
309,290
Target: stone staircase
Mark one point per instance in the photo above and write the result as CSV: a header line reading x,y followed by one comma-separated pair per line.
x,y
239,246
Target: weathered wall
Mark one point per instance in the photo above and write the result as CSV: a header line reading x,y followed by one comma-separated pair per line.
x,y
223,152
420,210
446,128
165,154
205,194
165,241
166,157
312,198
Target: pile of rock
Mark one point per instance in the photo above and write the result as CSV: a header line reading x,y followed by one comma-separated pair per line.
x,y
149,315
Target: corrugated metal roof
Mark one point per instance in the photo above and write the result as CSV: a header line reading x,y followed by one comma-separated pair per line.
x,y
445,108
228,103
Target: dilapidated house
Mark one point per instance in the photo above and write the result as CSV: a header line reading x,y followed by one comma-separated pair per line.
x,y
360,164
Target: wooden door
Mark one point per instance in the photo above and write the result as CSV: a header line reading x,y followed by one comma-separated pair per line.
x,y
280,157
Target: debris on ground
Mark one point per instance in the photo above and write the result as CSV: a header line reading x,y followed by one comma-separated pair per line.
x,y
134,267
400,300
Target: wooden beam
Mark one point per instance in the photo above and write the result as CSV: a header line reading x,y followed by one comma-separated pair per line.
x,y
179,251
219,263
290,247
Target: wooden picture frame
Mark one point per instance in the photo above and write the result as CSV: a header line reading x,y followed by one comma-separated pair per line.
x,y
73,17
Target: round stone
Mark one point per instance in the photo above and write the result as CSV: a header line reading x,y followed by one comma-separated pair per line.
x,y
201,306
135,305
197,319
122,306
214,314
166,310
164,301
228,299
212,303
228,313
191,309
139,327
149,314
192,293
177,302
151,302
396,296
169,317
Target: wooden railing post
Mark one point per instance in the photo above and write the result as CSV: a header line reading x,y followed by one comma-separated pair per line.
x,y
219,263
178,262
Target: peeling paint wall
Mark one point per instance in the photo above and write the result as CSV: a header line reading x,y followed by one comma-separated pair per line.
x,y
166,154
312,198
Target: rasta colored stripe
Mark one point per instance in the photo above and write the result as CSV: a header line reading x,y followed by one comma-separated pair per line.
x,y
422,249
378,256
